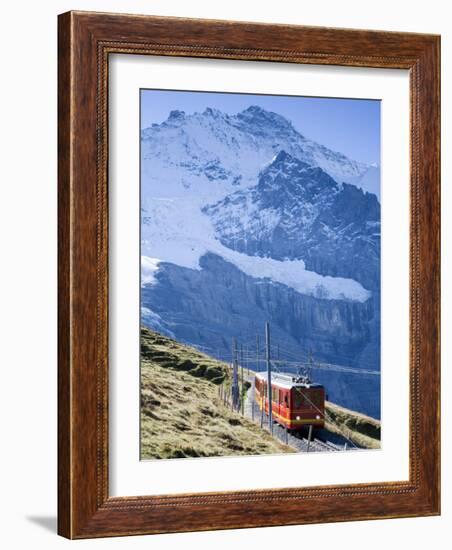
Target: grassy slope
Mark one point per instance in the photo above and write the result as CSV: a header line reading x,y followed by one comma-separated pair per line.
x,y
361,429
181,414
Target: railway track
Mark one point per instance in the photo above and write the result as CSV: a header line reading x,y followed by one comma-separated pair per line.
x,y
321,446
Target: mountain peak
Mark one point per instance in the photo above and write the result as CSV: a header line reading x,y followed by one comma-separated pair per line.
x,y
211,111
286,173
254,109
282,156
176,115
242,146
256,113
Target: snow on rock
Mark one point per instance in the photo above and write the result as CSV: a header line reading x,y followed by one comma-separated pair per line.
x,y
192,161
149,267
293,274
297,211
369,181
181,234
215,153
154,321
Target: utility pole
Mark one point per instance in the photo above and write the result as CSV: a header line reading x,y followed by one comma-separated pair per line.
x,y
242,394
310,363
309,438
253,399
257,352
269,376
235,376
247,360
257,370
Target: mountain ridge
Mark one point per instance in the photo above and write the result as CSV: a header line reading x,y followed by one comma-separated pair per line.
x,y
297,211
203,134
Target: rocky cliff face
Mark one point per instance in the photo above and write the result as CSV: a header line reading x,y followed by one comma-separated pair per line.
x,y
219,302
297,211
195,301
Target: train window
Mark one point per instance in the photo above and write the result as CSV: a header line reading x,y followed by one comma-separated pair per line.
x,y
299,400
317,398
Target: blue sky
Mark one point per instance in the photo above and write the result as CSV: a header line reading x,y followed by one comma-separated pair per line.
x,y
351,126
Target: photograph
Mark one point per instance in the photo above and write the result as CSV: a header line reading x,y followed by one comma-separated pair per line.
x,y
260,274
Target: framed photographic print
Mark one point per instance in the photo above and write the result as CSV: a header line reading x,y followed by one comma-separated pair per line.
x,y
248,275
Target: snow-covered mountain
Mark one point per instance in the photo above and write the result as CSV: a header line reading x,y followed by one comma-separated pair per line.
x,y
216,152
246,220
297,211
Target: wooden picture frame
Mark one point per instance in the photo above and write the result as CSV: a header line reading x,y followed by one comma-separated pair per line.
x,y
86,40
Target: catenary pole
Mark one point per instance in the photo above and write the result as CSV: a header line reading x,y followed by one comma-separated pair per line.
x,y
242,394
269,376
235,381
309,438
261,394
257,352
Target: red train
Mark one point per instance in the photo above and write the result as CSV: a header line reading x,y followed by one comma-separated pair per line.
x,y
296,402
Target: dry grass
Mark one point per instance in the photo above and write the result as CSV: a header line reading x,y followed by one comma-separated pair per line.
x,y
359,428
181,413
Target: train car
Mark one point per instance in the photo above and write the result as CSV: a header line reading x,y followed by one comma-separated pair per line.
x,y
296,401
